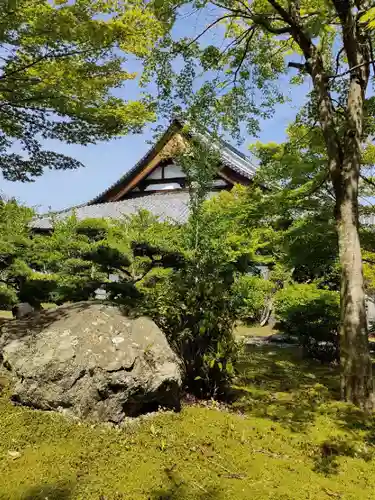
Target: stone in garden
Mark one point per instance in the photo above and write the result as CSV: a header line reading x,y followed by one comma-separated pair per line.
x,y
91,361
22,309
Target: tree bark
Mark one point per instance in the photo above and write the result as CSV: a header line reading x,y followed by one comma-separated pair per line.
x,y
344,158
356,366
356,376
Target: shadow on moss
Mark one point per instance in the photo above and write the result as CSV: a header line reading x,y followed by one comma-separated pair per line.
x,y
326,457
277,383
178,489
60,491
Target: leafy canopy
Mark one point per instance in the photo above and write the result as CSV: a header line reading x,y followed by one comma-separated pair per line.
x,y
242,58
60,61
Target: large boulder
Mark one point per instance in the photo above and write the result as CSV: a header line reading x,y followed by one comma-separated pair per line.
x,y
91,361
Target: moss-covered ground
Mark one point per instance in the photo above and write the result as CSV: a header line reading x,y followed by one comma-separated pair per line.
x,y
243,330
284,437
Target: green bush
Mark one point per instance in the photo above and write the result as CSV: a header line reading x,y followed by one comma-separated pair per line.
x,y
8,297
250,295
312,315
193,307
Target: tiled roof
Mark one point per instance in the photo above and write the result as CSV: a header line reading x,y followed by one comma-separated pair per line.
x,y
368,220
172,206
229,155
166,205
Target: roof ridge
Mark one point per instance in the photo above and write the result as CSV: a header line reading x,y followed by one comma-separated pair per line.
x,y
245,161
173,205
145,194
57,212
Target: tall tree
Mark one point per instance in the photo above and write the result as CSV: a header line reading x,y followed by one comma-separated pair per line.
x,y
59,62
256,42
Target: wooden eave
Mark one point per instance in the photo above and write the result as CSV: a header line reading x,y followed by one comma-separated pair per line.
x,y
162,150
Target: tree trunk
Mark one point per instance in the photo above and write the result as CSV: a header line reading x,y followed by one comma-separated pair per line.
x,y
344,158
356,366
356,378
344,154
344,166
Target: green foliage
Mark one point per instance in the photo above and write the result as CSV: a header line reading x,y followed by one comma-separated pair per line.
x,y
312,315
8,296
368,18
81,256
251,294
15,242
255,49
61,60
194,308
297,167
311,250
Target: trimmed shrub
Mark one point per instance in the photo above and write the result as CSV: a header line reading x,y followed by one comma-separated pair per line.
x,y
250,294
193,307
312,315
8,297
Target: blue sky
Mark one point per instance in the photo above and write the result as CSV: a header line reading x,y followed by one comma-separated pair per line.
x,y
106,162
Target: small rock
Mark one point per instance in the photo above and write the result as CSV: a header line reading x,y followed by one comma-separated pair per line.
x,y
22,309
14,454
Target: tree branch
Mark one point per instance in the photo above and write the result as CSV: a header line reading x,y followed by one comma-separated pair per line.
x,y
49,55
353,68
9,283
316,187
236,41
342,8
246,6
368,181
126,272
338,59
211,25
248,41
238,12
140,277
372,55
296,30
356,44
263,21
301,66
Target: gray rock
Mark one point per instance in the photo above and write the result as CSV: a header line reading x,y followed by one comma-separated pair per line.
x,y
91,361
281,338
22,309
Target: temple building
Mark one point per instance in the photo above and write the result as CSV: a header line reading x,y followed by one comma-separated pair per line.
x,y
157,184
